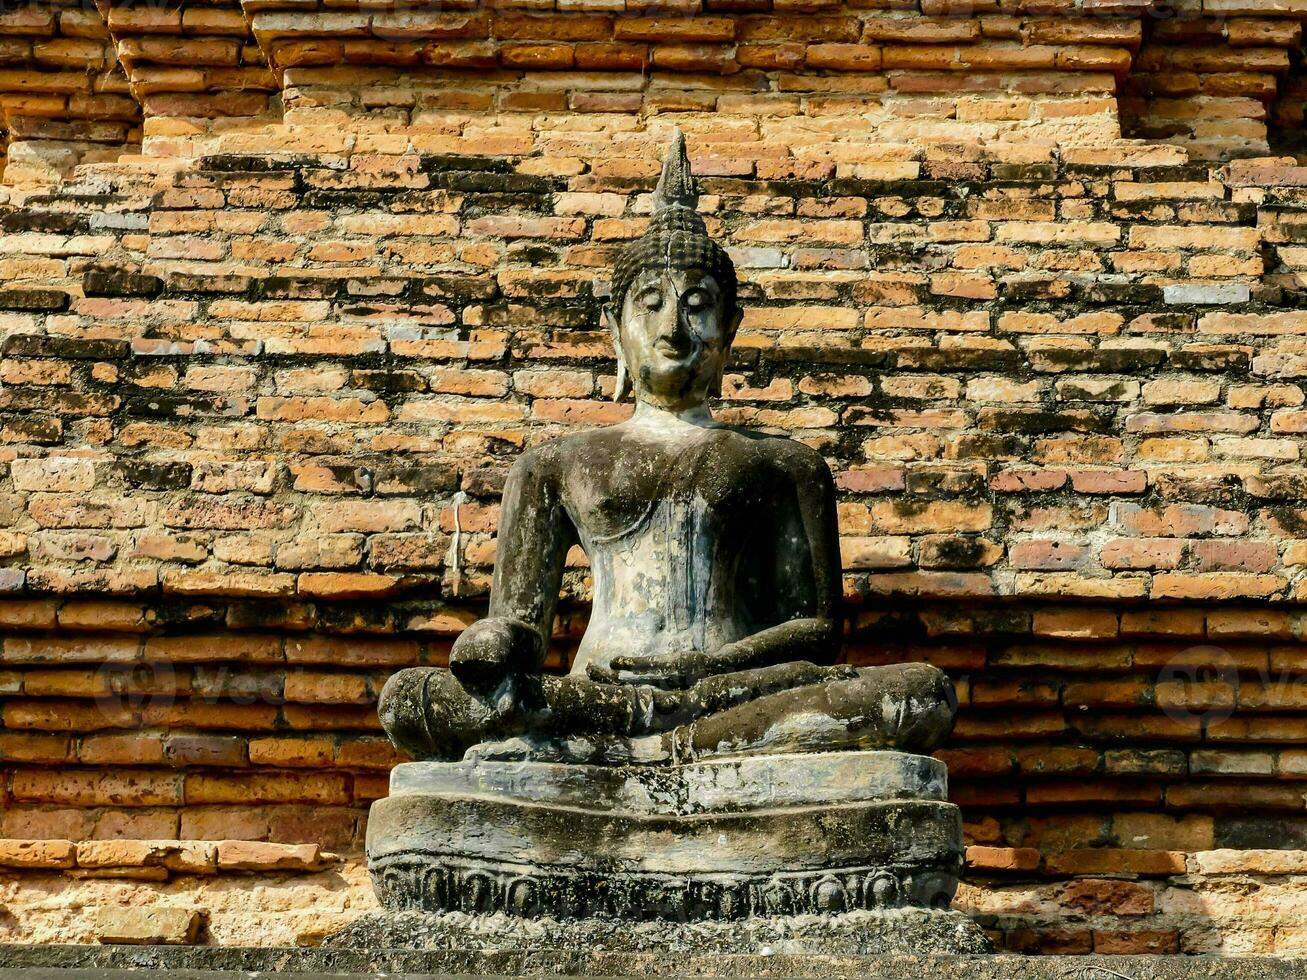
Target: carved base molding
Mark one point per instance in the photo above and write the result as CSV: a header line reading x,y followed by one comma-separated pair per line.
x,y
436,883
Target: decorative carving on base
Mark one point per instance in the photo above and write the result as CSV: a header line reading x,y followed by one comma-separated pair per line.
x,y
420,882
724,840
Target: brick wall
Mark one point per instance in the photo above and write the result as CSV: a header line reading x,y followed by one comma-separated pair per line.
x,y
253,379
1223,78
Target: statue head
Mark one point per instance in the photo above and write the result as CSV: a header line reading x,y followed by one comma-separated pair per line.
x,y
673,310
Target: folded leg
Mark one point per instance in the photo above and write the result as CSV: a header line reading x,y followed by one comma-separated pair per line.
x,y
906,707
428,713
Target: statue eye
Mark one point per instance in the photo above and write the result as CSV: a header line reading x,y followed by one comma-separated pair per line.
x,y
696,299
651,299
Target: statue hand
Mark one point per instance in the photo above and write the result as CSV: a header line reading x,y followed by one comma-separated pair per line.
x,y
491,650
680,670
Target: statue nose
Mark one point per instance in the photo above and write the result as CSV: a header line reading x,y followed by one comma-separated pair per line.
x,y
674,330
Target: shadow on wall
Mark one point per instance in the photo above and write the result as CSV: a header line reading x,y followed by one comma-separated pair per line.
x,y
1289,111
1152,825
1223,87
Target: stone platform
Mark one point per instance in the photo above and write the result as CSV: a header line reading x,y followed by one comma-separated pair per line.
x,y
858,933
202,963
720,839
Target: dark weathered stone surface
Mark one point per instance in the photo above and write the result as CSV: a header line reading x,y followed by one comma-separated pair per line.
x,y
714,634
715,556
201,963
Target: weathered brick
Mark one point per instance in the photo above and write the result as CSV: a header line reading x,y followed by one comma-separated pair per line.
x,y
242,855
37,854
266,787
97,788
1055,374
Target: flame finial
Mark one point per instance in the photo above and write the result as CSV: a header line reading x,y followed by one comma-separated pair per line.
x,y
676,185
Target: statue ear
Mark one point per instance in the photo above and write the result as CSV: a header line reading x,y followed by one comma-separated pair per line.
x,y
623,386
736,317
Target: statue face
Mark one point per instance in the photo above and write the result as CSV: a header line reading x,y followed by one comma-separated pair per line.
x,y
675,334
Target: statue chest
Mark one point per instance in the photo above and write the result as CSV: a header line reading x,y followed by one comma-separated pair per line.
x,y
710,494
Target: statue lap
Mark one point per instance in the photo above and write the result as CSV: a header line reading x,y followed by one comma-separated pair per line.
x,y
901,707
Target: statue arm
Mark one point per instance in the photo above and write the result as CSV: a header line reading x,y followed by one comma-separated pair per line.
x,y
816,491
534,536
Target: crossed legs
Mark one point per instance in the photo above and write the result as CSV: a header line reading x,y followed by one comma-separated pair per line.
x,y
796,707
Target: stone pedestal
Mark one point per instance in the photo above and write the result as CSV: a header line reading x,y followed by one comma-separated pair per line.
x,y
609,947
361,961
750,838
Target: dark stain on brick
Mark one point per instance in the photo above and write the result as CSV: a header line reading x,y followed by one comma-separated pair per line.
x,y
119,282
147,475
70,348
34,300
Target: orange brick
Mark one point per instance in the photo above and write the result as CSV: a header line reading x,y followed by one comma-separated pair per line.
x,y
266,787
1082,624
237,647
1097,861
224,823
310,752
989,859
96,788
37,854
345,585
1101,896
23,747
1144,942
136,749
70,716
243,855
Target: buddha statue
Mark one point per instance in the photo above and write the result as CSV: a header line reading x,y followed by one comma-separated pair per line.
x,y
707,757
716,625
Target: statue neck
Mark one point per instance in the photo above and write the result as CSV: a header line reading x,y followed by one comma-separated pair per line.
x,y
648,413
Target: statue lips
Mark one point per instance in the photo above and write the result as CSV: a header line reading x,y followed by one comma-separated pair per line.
x,y
673,350
679,346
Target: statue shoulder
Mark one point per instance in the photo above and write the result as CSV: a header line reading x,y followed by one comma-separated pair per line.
x,y
800,461
552,461
538,464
